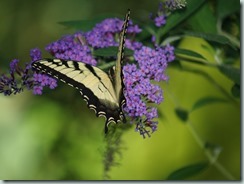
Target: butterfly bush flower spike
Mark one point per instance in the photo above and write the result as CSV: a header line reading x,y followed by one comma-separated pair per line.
x,y
106,34
148,65
140,91
13,83
79,46
70,47
40,80
164,9
160,18
20,78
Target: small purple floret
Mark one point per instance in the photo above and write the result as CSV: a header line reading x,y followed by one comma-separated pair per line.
x,y
160,20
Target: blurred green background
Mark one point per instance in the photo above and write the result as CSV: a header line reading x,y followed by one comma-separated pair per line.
x,y
55,136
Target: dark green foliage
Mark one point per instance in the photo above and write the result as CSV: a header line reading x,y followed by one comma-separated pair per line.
x,y
232,73
212,38
182,114
207,101
179,16
110,51
188,171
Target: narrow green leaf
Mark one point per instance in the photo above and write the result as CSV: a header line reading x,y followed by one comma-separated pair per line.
x,y
188,53
211,37
110,51
206,101
182,114
181,15
106,52
227,8
83,25
188,171
232,73
87,25
204,20
235,90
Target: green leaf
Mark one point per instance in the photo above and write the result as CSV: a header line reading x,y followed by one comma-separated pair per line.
x,y
179,16
182,114
206,101
232,73
211,37
106,52
204,20
188,53
214,149
83,25
235,90
110,51
188,171
227,8
86,25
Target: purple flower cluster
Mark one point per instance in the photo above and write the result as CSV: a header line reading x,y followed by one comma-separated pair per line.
x,y
151,64
104,33
42,80
17,79
71,47
140,91
160,18
147,65
79,46
25,78
164,10
8,86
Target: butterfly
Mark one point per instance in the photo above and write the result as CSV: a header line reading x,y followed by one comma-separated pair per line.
x,y
104,93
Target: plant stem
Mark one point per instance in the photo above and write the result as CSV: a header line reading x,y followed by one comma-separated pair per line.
x,y
211,158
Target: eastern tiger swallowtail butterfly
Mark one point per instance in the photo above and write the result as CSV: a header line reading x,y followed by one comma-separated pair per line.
x,y
103,93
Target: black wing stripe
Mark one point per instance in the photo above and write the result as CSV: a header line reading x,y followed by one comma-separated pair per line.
x,y
89,67
76,66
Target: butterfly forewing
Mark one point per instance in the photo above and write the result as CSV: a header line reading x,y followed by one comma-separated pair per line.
x,y
119,85
79,73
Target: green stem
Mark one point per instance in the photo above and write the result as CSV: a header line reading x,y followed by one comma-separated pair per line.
x,y
224,171
211,158
233,39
